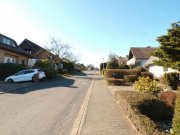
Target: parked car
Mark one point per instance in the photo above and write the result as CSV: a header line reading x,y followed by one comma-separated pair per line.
x,y
25,75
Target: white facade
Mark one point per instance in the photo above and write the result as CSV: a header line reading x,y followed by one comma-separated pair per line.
x,y
31,62
131,61
158,71
135,61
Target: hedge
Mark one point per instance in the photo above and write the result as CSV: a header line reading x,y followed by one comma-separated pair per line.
x,y
147,74
7,69
143,110
109,73
114,81
176,119
130,78
169,98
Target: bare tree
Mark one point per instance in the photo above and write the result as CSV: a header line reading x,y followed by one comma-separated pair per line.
x,y
61,51
73,57
122,60
57,47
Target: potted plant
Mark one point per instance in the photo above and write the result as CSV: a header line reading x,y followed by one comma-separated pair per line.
x,y
171,80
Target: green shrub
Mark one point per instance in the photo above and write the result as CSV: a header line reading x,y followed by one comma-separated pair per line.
x,y
171,79
130,78
143,110
114,81
176,119
48,67
7,69
147,74
147,85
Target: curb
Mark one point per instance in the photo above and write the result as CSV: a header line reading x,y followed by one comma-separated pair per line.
x,y
77,126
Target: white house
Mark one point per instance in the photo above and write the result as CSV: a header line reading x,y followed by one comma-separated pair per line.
x,y
139,55
157,71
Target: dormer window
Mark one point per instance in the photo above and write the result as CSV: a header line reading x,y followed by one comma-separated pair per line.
x,y
8,42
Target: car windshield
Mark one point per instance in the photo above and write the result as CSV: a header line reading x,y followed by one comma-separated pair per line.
x,y
20,73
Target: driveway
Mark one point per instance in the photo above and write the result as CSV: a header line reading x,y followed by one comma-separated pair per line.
x,y
44,108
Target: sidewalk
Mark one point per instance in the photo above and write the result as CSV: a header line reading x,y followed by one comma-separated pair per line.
x,y
104,116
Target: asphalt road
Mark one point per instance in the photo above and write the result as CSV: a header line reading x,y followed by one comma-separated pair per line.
x,y
45,108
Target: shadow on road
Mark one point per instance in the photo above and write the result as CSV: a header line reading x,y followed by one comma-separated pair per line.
x,y
25,87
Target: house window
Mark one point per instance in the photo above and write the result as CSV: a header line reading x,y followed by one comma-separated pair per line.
x,y
28,51
9,60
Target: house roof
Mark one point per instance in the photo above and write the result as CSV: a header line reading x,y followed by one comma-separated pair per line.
x,y
141,52
151,60
15,49
36,48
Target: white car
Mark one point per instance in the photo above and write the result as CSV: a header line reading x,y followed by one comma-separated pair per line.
x,y
25,75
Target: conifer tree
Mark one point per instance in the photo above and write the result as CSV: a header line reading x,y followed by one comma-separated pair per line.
x,y
169,50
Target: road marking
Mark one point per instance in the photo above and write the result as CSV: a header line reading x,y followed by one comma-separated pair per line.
x,y
81,114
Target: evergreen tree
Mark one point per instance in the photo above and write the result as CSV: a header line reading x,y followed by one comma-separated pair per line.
x,y
169,51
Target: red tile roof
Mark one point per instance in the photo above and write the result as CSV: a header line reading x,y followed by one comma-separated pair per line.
x,y
142,52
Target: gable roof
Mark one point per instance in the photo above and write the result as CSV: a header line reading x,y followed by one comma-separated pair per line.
x,y
15,49
141,52
35,48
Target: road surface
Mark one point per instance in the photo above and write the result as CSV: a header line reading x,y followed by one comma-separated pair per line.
x,y
46,108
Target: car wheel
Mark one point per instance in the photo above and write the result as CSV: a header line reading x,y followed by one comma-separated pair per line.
x,y
33,78
10,81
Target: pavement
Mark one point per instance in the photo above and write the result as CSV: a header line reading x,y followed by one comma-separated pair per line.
x,y
103,115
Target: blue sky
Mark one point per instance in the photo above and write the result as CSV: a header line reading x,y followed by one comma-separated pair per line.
x,y
93,28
